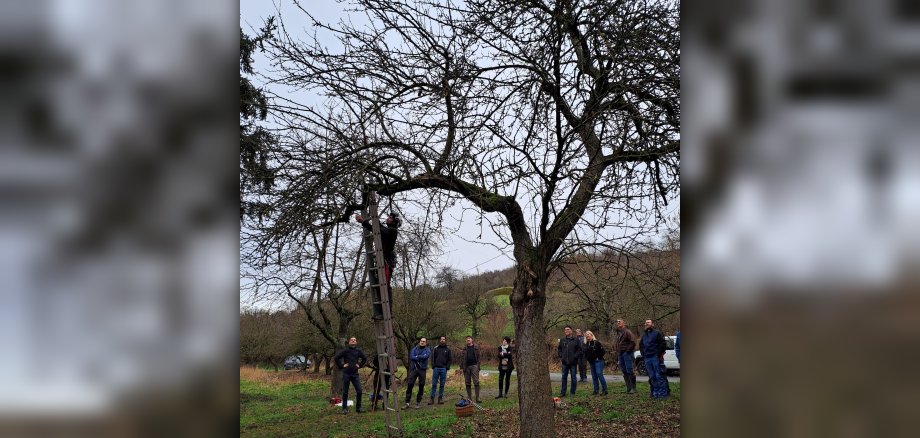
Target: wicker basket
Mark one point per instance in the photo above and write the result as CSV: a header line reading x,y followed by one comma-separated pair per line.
x,y
465,411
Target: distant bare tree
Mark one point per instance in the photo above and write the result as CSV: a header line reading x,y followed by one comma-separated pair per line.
x,y
473,301
419,309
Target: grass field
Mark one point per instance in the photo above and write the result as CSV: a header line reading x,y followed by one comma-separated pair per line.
x,y
295,404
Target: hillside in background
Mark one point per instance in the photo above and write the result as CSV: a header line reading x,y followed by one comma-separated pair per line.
x,y
588,292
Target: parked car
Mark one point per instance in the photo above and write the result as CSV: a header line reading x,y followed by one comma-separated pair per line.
x,y
296,361
670,359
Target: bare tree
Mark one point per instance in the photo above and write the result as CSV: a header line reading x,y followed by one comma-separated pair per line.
x,y
420,309
474,302
261,340
556,122
322,279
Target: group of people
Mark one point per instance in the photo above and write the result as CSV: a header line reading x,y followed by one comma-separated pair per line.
x,y
440,358
578,352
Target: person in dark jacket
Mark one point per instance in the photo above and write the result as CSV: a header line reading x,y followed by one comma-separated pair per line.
x,y
388,237
582,363
625,346
653,347
569,352
469,360
677,343
351,360
505,366
441,359
418,368
594,355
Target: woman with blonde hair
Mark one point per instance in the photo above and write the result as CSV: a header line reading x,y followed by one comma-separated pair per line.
x,y
594,354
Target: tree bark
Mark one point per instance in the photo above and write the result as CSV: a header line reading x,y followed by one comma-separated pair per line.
x,y
534,388
336,386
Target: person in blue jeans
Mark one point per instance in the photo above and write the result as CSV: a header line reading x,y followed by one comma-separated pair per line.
x,y
625,347
594,356
441,358
569,352
350,360
653,347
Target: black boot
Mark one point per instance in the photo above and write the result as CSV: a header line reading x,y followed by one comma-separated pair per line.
x,y
499,393
440,399
358,404
431,402
477,395
469,393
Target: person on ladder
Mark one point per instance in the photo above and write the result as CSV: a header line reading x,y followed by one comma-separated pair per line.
x,y
388,237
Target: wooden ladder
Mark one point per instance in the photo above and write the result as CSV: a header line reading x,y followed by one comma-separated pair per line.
x,y
383,327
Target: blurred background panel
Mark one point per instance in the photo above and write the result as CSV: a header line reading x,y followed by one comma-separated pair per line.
x,y
118,222
801,199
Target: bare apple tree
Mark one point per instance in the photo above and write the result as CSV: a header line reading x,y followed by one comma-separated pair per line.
x,y
557,122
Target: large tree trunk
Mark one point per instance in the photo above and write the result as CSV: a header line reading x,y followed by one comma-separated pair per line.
x,y
534,388
336,387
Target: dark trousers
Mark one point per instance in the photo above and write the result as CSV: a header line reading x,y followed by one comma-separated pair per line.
x,y
355,380
504,378
626,363
658,383
413,376
582,368
568,371
664,377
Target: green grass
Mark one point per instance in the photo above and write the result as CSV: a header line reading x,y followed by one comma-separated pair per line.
x,y
291,404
